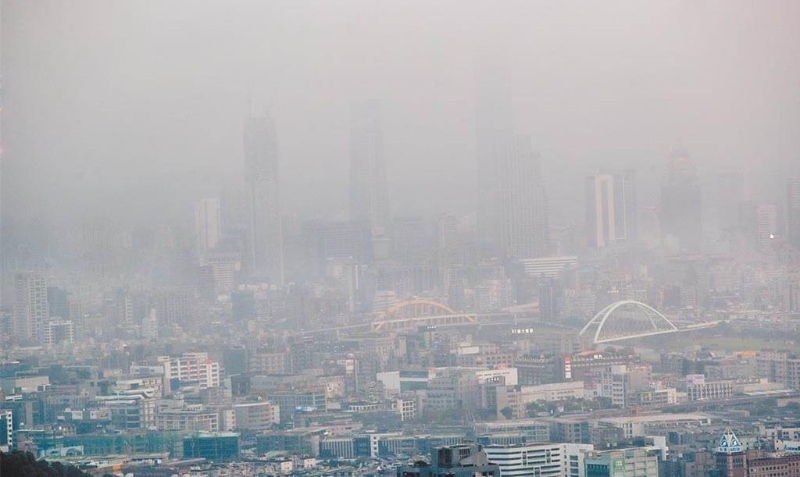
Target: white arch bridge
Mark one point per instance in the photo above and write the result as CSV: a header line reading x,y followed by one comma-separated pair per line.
x,y
618,321
628,319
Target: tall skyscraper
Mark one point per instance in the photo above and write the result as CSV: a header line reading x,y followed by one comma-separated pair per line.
x,y
31,310
265,247
207,227
369,196
524,224
681,203
493,134
793,211
611,209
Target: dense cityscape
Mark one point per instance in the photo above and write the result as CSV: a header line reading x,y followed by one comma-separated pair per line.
x,y
647,326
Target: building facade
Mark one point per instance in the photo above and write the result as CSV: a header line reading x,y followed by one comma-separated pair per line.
x,y
369,199
611,209
681,204
636,462
31,309
265,245
524,224
544,460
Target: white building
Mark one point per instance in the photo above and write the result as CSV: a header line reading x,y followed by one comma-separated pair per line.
x,y
549,267
541,460
552,392
190,419
637,426
192,367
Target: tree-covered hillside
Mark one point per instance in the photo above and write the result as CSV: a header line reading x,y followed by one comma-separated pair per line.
x,y
24,464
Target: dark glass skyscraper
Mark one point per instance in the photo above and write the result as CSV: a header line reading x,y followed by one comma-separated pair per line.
x,y
265,247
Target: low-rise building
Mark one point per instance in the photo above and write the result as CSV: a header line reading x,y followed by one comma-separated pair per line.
x,y
256,416
544,460
635,462
467,460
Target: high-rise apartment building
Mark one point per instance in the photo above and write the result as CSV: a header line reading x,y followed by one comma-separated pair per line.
x,y
681,203
369,198
31,310
611,209
207,227
524,225
793,211
264,199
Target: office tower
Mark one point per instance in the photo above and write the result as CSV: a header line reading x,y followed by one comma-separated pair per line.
x,y
681,203
611,209
207,227
493,136
728,196
31,311
730,456
793,211
369,198
524,226
263,184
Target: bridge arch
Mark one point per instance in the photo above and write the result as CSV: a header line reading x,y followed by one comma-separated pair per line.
x,y
416,308
654,321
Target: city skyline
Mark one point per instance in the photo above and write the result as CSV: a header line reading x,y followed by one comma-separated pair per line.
x,y
428,115
400,238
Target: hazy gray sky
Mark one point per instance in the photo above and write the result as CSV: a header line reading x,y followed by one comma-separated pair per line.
x,y
143,100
